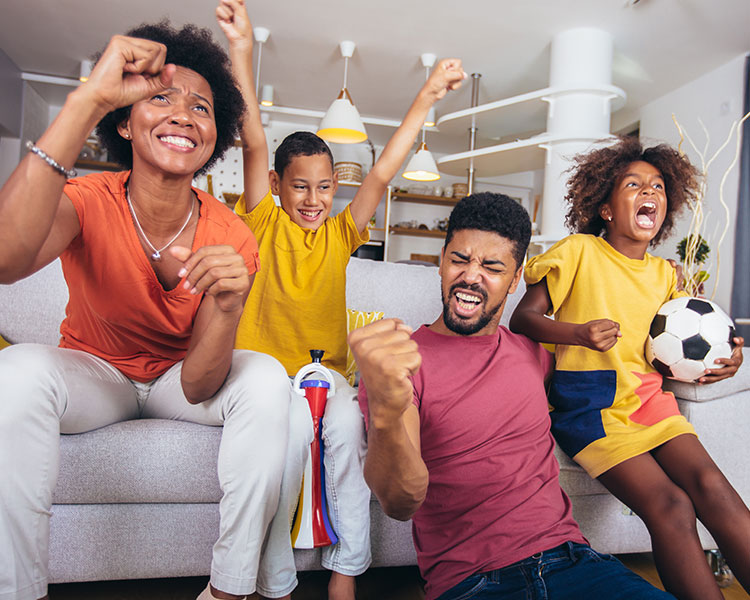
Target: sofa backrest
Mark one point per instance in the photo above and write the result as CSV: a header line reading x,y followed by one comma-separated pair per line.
x,y
31,310
409,292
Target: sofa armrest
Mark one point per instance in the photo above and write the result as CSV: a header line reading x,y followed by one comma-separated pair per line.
x,y
703,393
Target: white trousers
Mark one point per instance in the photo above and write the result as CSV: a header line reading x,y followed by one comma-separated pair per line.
x,y
346,491
45,391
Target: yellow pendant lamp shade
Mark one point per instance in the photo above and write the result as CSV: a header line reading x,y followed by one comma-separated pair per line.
x,y
342,124
422,166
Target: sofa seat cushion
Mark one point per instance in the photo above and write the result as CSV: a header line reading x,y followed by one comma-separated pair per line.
x,y
574,480
33,308
142,461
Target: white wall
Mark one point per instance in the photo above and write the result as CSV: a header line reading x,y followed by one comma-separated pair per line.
x,y
34,121
10,148
11,98
716,99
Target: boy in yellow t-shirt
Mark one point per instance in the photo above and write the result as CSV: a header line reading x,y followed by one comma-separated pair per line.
x,y
298,298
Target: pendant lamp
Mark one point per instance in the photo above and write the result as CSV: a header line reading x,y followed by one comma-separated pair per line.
x,y
342,124
422,165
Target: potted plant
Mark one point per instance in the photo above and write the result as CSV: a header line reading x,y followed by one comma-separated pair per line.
x,y
693,251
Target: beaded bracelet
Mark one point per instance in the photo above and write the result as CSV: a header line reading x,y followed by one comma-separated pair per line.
x,y
67,173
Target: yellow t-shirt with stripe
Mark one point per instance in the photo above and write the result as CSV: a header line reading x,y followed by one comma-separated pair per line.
x,y
607,406
298,299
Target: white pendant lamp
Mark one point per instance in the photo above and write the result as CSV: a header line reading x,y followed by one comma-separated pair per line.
x,y
422,165
342,124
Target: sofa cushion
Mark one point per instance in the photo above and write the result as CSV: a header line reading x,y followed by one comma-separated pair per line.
x,y
409,292
148,460
33,308
354,320
574,480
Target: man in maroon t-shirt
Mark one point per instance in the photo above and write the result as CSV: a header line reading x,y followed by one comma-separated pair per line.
x,y
459,433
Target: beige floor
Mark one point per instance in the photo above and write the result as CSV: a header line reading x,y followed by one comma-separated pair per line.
x,y
401,583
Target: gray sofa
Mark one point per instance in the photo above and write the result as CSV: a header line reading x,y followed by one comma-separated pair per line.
x,y
131,502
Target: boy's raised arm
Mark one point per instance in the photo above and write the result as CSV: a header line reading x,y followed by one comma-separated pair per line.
x,y
234,22
447,75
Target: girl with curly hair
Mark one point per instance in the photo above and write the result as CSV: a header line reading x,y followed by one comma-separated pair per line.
x,y
158,273
609,412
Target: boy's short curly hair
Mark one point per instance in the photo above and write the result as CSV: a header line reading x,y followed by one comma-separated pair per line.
x,y
193,48
596,173
299,143
496,213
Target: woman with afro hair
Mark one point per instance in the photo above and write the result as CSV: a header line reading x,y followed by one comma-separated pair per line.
x,y
158,273
609,412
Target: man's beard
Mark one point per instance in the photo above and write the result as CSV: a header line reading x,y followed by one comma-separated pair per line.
x,y
465,326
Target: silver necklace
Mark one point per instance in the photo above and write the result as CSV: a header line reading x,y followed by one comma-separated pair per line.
x,y
156,256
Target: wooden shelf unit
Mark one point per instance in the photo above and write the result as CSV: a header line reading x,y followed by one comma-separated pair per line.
x,y
423,199
431,233
98,165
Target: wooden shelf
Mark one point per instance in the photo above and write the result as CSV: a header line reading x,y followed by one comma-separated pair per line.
x,y
423,199
97,165
431,233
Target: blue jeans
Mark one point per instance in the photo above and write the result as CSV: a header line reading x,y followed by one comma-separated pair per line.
x,y
568,572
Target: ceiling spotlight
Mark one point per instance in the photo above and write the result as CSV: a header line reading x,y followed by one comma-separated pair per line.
x,y
86,68
342,124
431,118
261,36
266,95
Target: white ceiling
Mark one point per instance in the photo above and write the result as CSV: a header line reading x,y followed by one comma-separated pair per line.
x,y
659,44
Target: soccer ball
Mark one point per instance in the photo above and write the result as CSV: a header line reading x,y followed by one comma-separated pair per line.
x,y
687,335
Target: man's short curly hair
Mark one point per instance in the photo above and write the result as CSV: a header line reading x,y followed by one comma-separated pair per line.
x,y
596,173
497,213
193,48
